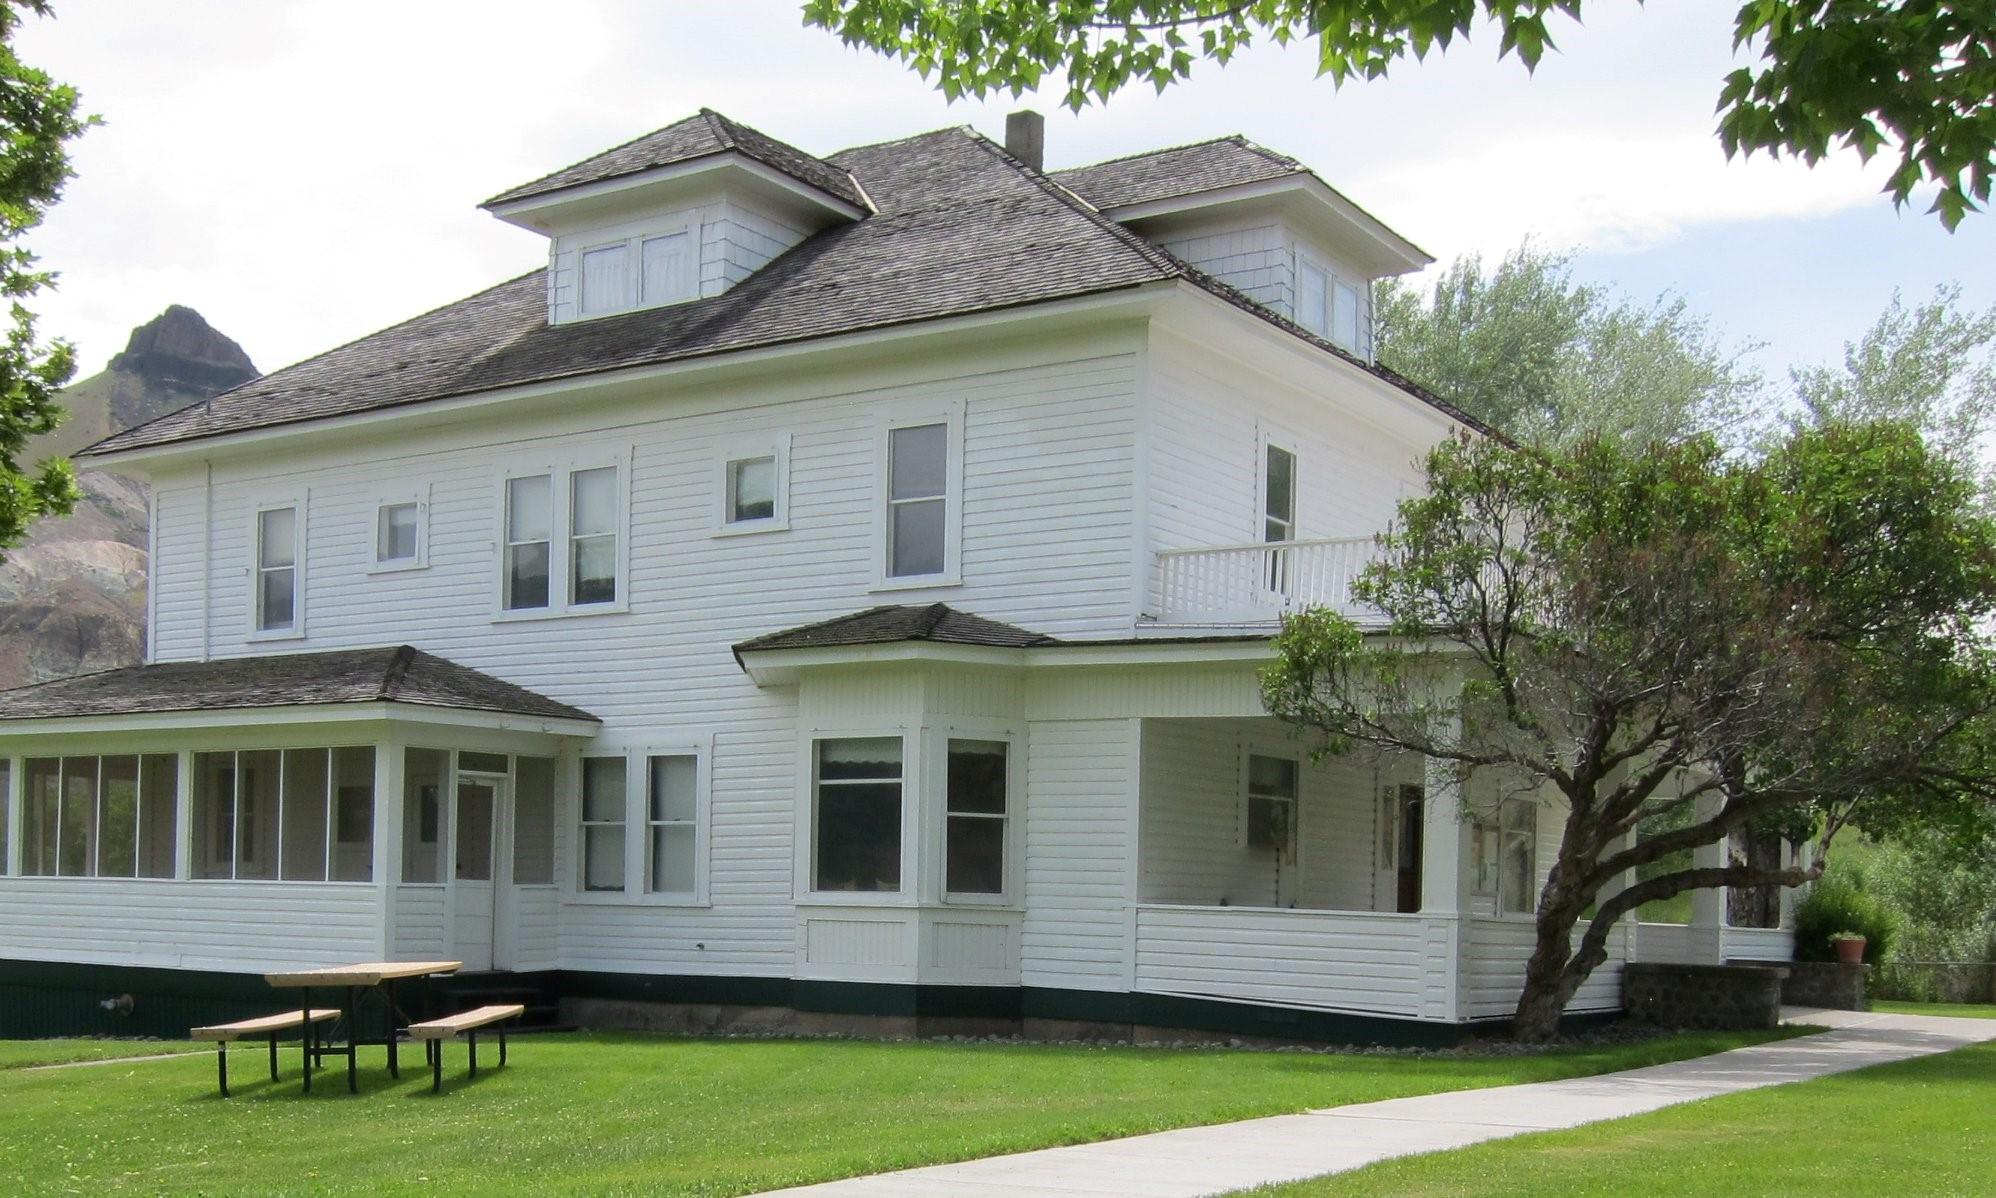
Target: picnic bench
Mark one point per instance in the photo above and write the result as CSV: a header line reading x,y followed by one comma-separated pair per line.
x,y
268,1026
352,981
434,1032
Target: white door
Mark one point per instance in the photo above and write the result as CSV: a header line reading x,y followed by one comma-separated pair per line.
x,y
480,810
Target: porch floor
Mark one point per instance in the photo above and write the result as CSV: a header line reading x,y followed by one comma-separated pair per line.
x,y
1236,1156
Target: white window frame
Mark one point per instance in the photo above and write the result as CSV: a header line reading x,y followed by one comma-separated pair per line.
x,y
633,244
1505,832
743,451
1304,262
951,416
296,629
636,755
914,758
1358,316
577,889
1266,441
1013,818
379,565
560,476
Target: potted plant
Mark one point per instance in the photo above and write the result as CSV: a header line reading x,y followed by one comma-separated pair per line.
x,y
1849,947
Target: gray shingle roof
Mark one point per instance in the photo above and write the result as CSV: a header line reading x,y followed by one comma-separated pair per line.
x,y
895,623
959,227
1180,170
392,675
697,136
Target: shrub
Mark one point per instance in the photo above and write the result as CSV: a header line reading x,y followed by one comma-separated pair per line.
x,y
1837,905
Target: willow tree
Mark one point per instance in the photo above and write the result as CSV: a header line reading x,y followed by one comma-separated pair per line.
x,y
1672,636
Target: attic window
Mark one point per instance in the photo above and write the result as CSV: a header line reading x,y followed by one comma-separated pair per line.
x,y
642,271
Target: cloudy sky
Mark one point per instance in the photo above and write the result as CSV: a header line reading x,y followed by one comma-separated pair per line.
x,y
306,172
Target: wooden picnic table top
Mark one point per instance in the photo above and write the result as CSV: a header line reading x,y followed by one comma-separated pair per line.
x,y
366,973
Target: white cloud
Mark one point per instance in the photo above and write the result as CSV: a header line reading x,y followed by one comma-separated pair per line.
x,y
304,174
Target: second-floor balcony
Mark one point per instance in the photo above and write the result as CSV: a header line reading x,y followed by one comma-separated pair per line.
x,y
1257,583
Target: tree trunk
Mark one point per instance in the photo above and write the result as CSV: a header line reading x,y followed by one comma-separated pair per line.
x,y
1549,980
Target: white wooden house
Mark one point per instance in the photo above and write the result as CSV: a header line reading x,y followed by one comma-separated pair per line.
x,y
832,584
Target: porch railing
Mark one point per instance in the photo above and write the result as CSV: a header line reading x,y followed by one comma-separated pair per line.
x,y
1258,582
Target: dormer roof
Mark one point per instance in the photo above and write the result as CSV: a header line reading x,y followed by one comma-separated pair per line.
x,y
702,135
1233,173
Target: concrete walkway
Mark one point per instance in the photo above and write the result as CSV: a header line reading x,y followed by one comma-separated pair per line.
x,y
1198,1161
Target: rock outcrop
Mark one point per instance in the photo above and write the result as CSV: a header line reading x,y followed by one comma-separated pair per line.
x,y
73,595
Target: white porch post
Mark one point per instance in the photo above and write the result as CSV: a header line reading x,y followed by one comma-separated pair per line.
x,y
387,835
1707,938
1445,883
183,816
12,799
1801,856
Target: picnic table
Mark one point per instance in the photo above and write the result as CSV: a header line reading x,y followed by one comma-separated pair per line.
x,y
353,982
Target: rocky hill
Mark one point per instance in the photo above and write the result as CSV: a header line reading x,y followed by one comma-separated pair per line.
x,y
73,596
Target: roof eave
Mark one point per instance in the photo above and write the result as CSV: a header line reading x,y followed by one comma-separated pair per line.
x,y
781,667
522,210
300,715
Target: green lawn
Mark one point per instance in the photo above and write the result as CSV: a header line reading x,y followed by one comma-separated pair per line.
x,y
1968,1010
21,1054
1917,1127
627,1112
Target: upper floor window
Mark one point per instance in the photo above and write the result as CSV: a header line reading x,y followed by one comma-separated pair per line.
x,y
401,541
641,271
1345,316
582,568
278,546
1278,494
1328,306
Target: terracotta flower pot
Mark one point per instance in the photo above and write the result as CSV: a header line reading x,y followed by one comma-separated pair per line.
x,y
1850,952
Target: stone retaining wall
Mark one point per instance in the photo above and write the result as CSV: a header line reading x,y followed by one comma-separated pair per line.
x,y
1830,984
1703,996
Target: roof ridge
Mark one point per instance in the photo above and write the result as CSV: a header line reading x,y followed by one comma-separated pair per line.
x,y
932,618
1168,263
1238,138
685,120
895,141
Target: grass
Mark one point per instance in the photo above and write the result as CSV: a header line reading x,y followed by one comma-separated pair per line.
x,y
23,1054
1969,1010
627,1112
1920,1126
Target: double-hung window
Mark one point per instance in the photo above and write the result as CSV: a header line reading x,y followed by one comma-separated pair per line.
x,y
672,820
604,812
856,814
1278,512
279,597
563,541
977,803
921,512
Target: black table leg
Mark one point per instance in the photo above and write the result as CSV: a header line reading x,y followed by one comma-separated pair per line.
x,y
502,1043
273,1056
388,988
436,1066
222,1065
472,1038
353,1045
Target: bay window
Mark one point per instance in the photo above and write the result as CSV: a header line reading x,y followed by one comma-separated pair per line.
x,y
856,814
977,807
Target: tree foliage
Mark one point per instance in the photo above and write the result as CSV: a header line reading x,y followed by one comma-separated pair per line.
x,y
1527,348
38,118
1912,76
1797,642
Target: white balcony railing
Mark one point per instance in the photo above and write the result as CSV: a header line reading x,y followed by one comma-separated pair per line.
x,y
1257,583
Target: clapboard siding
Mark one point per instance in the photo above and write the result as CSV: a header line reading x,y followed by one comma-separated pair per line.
x,y
421,929
1206,417
1080,830
1759,944
1494,973
1368,963
175,571
536,915
229,926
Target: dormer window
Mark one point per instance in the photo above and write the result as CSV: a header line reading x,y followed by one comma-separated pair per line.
x,y
1327,305
644,271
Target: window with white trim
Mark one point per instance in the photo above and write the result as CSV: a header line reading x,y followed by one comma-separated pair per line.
x,y
672,822
98,817
641,271
278,560
400,541
755,487
1346,310
1313,297
856,814
1269,813
1278,493
592,536
977,810
297,815
604,812
579,569
918,500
